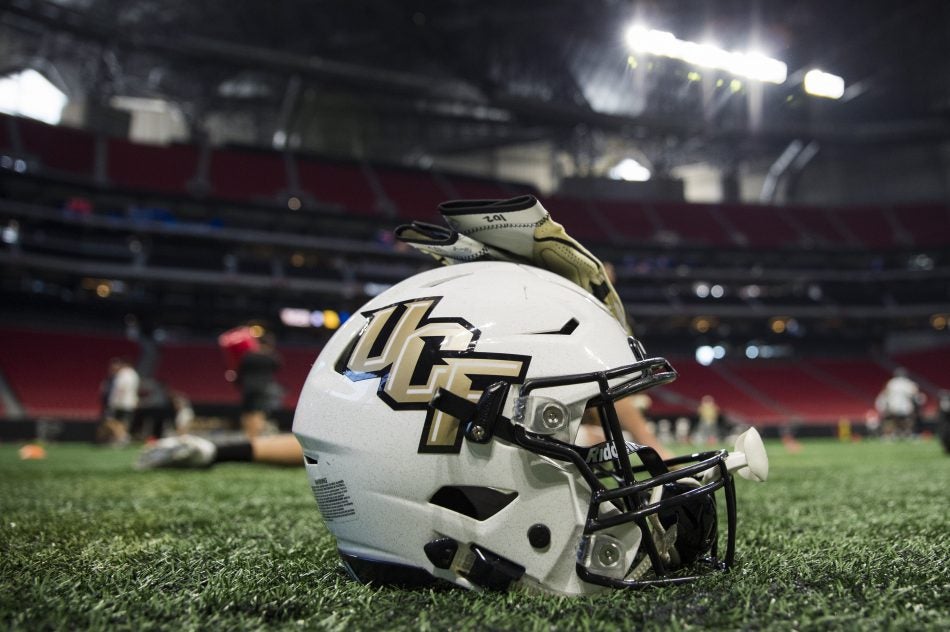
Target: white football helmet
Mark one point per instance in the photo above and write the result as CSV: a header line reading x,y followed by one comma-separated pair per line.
x,y
442,433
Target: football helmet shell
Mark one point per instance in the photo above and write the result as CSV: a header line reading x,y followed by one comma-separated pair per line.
x,y
440,427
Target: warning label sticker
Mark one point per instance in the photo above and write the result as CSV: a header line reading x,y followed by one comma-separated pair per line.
x,y
333,499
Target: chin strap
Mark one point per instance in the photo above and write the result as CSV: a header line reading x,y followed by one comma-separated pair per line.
x,y
663,539
518,230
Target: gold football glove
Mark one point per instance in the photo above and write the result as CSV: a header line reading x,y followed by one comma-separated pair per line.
x,y
518,230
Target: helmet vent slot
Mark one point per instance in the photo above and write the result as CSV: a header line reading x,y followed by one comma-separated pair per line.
x,y
448,279
565,330
480,503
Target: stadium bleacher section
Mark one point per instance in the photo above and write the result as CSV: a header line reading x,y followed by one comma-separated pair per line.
x,y
198,371
167,170
462,187
580,218
928,224
250,176
741,404
60,150
339,184
416,195
862,377
380,191
149,212
873,227
928,364
757,225
627,222
292,375
59,374
692,224
803,396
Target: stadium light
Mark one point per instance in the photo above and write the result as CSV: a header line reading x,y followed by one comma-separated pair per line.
x,y
630,170
750,65
705,355
29,93
824,84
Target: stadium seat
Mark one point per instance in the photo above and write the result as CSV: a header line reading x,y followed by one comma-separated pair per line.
x,y
928,224
6,138
801,394
870,225
415,193
296,367
59,374
818,226
761,226
148,168
581,218
478,189
929,364
627,220
341,184
58,150
862,376
737,404
197,370
247,175
692,223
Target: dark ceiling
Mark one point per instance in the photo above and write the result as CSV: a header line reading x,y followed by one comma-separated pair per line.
x,y
439,76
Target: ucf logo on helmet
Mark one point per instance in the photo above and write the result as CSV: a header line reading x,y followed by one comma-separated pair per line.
x,y
414,356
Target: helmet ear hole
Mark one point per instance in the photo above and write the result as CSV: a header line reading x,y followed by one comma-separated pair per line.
x,y
480,503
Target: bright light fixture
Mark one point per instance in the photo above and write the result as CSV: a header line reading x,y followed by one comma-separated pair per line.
x,y
631,170
824,84
705,355
751,65
29,93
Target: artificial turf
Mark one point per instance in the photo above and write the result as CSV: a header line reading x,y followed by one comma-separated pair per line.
x,y
842,536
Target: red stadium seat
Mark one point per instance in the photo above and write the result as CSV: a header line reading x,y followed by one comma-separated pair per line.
x,y
581,219
695,381
863,377
247,175
341,184
59,150
761,226
6,138
627,220
149,168
928,224
59,374
415,193
198,371
801,394
870,225
296,367
929,364
819,227
692,223
467,188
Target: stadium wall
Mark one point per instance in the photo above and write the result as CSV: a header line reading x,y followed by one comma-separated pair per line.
x,y
852,175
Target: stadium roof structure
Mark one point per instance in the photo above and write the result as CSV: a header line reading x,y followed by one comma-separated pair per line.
x,y
405,80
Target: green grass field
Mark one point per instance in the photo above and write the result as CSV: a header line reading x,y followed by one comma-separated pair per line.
x,y
852,537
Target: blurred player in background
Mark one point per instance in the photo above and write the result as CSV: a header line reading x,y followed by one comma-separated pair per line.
x,y
898,404
121,402
707,430
191,451
943,419
260,391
